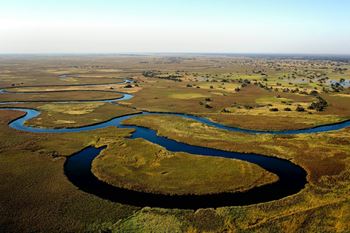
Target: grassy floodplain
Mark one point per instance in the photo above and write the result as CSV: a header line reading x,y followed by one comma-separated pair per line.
x,y
59,96
77,114
238,91
143,166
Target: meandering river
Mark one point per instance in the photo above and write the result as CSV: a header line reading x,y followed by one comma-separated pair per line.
x,y
292,178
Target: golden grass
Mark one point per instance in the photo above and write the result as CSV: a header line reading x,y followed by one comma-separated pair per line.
x,y
36,196
326,157
60,96
185,96
143,166
78,114
71,109
289,146
97,87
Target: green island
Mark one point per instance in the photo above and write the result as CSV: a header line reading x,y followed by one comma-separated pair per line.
x,y
143,166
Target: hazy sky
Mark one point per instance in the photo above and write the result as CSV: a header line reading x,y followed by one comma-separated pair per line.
x,y
238,26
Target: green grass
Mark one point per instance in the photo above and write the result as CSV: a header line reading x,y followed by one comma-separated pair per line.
x,y
77,114
35,196
272,100
325,156
263,119
42,193
187,96
60,96
289,146
142,166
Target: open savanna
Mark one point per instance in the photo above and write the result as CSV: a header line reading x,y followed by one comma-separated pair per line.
x,y
34,190
59,115
23,75
239,91
59,96
57,70
36,160
248,108
95,87
325,156
32,168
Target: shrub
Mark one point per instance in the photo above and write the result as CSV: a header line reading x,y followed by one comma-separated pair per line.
x,y
319,105
300,109
314,93
208,106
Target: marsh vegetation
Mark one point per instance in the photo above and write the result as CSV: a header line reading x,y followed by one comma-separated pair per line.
x,y
261,93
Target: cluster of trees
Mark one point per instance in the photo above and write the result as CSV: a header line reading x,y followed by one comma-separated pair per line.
x,y
157,74
337,87
150,73
340,70
319,105
299,108
206,102
16,84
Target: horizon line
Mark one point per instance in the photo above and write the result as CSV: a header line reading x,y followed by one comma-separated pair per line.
x,y
184,53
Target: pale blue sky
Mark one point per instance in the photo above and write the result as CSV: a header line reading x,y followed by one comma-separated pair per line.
x,y
236,26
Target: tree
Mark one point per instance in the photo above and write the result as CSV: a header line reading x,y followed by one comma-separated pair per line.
x,y
300,108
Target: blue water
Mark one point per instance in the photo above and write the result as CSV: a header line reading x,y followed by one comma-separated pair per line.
x,y
124,97
125,81
345,83
292,178
31,113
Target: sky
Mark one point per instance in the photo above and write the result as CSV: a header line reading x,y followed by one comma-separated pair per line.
x,y
177,26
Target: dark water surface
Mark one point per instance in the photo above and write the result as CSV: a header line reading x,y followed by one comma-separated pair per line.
x,y
292,178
